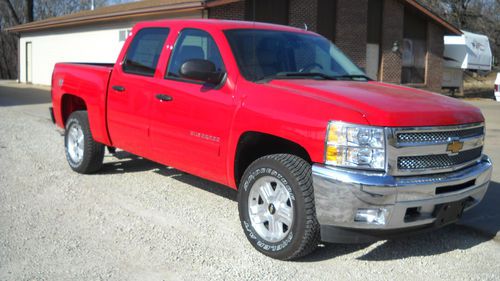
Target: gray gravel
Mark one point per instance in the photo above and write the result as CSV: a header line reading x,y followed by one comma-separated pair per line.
x,y
137,220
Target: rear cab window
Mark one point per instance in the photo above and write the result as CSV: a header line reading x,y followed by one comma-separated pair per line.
x,y
144,51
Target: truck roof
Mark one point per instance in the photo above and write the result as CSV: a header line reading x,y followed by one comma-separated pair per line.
x,y
218,24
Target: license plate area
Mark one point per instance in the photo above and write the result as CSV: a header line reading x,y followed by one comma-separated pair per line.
x,y
449,212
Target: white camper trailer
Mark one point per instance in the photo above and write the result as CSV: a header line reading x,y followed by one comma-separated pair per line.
x,y
467,52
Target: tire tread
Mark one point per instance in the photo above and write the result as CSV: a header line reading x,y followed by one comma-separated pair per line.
x,y
301,171
93,151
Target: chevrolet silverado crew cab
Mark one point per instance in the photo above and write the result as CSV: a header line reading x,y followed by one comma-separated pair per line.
x,y
316,150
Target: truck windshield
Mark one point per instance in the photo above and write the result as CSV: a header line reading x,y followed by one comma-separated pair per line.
x,y
264,55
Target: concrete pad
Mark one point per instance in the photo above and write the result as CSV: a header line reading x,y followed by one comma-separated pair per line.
x,y
35,100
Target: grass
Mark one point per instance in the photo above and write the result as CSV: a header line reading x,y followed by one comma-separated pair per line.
x,y
480,86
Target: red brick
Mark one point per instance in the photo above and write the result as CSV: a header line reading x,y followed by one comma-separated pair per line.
x,y
392,31
351,29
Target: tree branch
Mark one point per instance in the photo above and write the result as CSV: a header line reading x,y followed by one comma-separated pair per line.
x,y
12,11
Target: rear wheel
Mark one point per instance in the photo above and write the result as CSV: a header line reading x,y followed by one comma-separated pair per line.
x,y
276,206
84,155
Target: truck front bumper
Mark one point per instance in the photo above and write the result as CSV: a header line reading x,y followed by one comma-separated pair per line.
x,y
358,206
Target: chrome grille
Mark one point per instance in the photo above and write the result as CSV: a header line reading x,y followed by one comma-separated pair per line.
x,y
425,150
439,161
432,137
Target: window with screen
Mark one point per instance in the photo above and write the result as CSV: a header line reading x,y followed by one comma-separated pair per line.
x,y
194,44
144,51
414,49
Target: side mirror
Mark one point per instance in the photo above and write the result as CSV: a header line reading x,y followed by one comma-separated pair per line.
x,y
201,70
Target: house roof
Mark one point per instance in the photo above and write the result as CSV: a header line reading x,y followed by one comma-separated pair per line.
x,y
434,17
155,7
120,11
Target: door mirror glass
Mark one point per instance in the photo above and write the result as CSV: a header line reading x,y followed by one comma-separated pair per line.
x,y
201,70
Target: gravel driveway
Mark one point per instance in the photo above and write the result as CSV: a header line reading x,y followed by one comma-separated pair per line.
x,y
137,220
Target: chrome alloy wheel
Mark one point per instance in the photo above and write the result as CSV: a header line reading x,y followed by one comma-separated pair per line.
x,y
270,209
75,143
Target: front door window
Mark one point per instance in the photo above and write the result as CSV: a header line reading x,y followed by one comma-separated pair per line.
x,y
194,44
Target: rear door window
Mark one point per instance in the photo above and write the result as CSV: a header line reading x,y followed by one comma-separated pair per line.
x,y
144,51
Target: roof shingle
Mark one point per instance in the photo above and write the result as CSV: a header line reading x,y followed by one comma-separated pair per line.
x,y
121,11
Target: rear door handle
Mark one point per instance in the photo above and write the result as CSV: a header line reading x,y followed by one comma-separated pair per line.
x,y
118,88
163,97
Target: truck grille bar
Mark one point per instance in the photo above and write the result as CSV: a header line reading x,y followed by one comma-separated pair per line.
x,y
426,150
438,161
432,137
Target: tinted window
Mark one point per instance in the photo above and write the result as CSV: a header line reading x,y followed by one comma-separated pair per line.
x,y
266,53
144,52
194,44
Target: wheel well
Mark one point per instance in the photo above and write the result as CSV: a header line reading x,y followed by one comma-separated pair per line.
x,y
253,145
70,104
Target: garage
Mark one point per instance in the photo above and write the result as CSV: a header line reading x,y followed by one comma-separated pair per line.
x,y
90,36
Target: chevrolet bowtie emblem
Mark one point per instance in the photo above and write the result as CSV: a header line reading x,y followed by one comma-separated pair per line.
x,y
455,146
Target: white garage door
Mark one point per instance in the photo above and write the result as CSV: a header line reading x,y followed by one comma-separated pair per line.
x,y
94,43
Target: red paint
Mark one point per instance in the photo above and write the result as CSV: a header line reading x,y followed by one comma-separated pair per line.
x,y
199,130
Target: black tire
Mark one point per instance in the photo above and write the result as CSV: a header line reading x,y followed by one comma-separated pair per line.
x,y
295,174
93,152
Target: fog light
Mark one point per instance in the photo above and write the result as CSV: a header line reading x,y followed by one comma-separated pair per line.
x,y
372,216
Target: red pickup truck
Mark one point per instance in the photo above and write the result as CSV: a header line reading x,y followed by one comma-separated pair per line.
x,y
317,150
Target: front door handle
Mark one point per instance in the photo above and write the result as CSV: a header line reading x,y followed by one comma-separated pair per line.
x,y
163,97
118,88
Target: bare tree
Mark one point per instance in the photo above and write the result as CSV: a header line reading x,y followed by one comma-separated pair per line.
x,y
14,12
28,10
479,16
8,42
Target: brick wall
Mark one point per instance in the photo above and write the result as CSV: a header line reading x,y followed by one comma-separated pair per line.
x,y
392,31
301,12
234,11
351,29
434,65
351,33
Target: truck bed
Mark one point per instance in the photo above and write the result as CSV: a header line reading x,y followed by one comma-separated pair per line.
x,y
85,81
98,64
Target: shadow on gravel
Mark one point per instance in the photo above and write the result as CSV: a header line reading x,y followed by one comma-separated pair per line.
x,y
12,96
451,238
209,186
448,239
130,163
486,216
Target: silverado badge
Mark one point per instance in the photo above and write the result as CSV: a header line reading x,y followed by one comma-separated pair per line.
x,y
455,146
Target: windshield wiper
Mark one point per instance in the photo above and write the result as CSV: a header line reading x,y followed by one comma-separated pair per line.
x,y
352,77
296,75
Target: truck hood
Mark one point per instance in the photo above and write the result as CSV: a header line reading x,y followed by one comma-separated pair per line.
x,y
385,104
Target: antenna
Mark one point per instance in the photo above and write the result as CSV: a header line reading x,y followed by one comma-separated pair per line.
x,y
254,47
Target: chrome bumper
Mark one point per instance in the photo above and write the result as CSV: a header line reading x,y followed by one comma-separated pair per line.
x,y
408,202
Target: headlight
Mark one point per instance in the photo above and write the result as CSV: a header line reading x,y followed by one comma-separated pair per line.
x,y
351,145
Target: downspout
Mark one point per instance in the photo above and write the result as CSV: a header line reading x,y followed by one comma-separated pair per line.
x,y
19,54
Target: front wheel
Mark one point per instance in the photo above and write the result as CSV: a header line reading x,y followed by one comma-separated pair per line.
x,y
83,153
276,206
